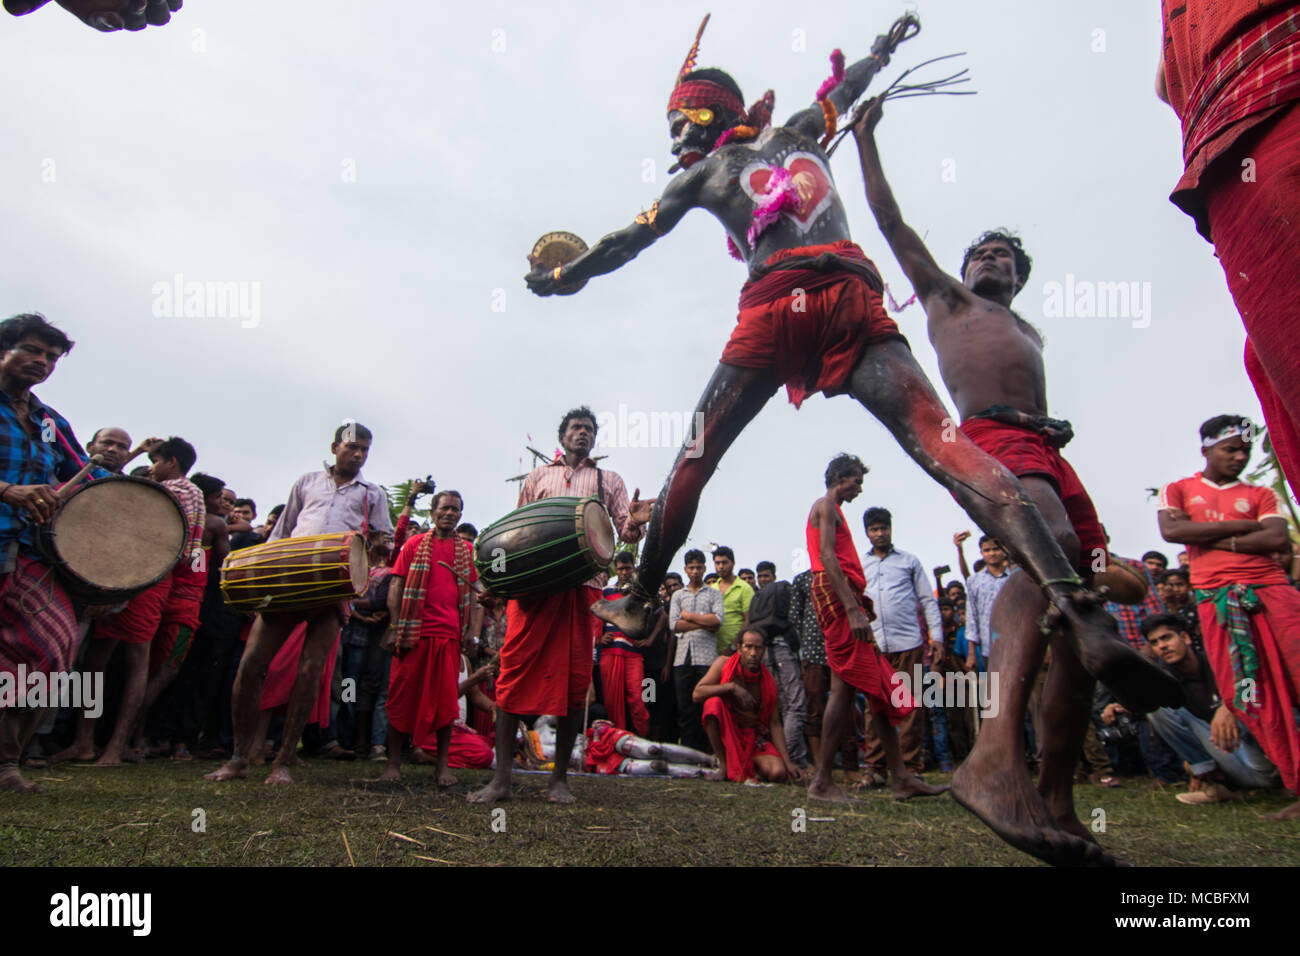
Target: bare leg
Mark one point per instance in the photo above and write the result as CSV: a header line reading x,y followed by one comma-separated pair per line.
x,y
442,776
137,676
499,788
769,768
714,733
905,783
1067,711
890,384
393,772
322,632
262,747
17,727
1286,813
566,732
268,635
83,739
993,782
730,401
153,689
835,723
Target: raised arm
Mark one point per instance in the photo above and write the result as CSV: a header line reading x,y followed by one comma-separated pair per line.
x,y
922,271
619,248
857,77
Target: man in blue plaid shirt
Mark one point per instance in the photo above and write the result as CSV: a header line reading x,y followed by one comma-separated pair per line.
x,y
38,623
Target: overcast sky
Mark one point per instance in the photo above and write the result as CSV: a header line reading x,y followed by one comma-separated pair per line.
x,y
377,180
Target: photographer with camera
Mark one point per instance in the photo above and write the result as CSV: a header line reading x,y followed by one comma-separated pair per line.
x,y
402,529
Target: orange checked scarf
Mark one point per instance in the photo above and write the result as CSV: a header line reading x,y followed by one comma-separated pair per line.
x,y
411,611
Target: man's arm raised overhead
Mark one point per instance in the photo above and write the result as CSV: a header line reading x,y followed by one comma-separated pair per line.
x,y
922,271
619,248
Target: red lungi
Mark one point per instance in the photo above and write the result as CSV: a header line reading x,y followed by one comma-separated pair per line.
x,y
1275,628
1024,452
469,749
1254,227
138,622
546,653
45,642
423,689
283,673
621,674
810,326
858,663
739,742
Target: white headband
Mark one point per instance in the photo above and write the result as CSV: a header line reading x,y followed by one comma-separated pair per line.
x,y
1232,431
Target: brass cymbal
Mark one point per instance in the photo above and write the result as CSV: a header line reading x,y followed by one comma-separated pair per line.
x,y
557,249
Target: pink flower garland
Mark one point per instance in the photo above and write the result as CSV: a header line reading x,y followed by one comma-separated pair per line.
x,y
782,194
836,77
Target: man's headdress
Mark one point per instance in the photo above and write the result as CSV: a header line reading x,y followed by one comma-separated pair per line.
x,y
699,94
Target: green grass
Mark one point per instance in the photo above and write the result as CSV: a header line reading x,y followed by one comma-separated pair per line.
x,y
143,815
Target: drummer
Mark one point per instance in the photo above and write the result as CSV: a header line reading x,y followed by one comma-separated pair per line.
x,y
37,448
546,654
332,500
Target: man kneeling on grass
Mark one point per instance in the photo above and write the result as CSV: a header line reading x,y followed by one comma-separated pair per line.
x,y
741,716
1217,747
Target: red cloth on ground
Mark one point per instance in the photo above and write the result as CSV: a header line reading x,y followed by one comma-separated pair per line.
x,y
742,744
1255,236
44,642
138,622
602,754
283,672
424,688
621,674
469,749
546,653
1275,628
815,339
1024,452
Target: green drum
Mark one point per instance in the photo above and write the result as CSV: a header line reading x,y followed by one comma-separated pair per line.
x,y
545,546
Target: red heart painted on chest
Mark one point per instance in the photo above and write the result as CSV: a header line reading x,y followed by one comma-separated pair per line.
x,y
810,178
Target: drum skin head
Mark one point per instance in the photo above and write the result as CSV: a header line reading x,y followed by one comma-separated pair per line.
x,y
599,532
1127,584
120,534
358,566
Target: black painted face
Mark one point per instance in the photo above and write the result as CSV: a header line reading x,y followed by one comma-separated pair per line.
x,y
693,140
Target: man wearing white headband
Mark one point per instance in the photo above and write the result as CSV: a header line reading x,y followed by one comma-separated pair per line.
x,y
1238,542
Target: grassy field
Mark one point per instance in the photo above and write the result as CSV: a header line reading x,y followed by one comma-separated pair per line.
x,y
336,815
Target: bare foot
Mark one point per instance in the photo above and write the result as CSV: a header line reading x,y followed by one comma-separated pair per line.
x,y
11,779
293,760
716,775
391,775
497,791
910,785
75,753
446,779
109,759
421,756
1069,823
558,792
279,776
632,614
828,791
1286,813
1137,681
236,768
1005,799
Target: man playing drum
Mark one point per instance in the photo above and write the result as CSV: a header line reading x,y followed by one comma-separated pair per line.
x,y
38,625
546,656
334,499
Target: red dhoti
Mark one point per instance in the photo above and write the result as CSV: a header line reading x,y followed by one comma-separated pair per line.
x,y
171,645
1275,630
1254,228
858,663
810,326
138,622
469,749
1024,452
424,688
283,673
742,744
621,674
546,653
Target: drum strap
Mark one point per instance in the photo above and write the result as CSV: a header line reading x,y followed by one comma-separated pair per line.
x,y
600,486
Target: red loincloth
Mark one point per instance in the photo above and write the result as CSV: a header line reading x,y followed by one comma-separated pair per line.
x,y
283,672
1255,236
602,754
138,622
44,642
424,688
741,743
1275,628
621,674
546,653
811,326
469,749
1024,452
858,663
